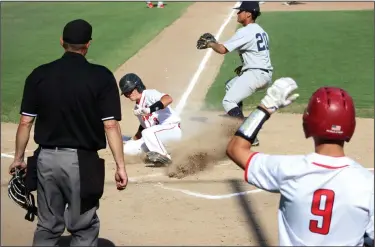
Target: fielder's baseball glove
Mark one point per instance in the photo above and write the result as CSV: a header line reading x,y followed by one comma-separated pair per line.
x,y
204,39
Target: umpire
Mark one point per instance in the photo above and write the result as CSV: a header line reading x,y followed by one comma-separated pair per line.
x,y
76,105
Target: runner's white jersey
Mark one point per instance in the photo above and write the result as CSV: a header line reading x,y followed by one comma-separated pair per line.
x,y
166,115
324,200
252,43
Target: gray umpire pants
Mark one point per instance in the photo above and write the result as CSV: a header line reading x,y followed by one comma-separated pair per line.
x,y
59,203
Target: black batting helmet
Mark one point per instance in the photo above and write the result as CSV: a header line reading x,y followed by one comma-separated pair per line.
x,y
129,82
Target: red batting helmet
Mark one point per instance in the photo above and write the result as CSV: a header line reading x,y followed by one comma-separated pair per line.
x,y
330,115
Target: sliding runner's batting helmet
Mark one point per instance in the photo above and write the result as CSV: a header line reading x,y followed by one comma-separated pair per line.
x,y
129,82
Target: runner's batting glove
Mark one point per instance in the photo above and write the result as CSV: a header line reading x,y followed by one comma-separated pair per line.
x,y
137,112
279,94
146,111
141,111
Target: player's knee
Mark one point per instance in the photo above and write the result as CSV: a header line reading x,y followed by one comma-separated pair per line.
x,y
146,133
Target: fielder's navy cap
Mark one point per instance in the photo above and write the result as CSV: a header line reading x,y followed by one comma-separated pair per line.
x,y
77,32
248,6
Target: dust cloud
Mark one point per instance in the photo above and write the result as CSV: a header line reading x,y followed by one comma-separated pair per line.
x,y
204,143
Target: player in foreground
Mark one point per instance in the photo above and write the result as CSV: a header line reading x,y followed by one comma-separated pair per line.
x,y
326,197
158,121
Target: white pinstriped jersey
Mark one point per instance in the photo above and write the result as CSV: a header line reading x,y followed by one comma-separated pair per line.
x,y
324,200
252,44
166,115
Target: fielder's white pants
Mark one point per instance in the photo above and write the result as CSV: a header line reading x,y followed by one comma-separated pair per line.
x,y
241,87
154,139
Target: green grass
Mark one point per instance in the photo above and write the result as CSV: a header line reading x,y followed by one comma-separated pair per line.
x,y
333,48
30,34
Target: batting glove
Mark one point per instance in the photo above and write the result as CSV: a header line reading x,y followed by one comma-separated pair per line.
x,y
137,112
146,111
279,94
141,111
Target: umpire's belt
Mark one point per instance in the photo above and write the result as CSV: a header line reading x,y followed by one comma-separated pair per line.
x,y
59,148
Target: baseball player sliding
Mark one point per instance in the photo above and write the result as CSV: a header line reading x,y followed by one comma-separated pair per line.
x,y
158,121
252,44
327,199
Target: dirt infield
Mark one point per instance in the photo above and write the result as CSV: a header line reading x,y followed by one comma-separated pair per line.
x,y
201,209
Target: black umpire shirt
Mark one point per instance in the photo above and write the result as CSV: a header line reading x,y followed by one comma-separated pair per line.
x,y
70,99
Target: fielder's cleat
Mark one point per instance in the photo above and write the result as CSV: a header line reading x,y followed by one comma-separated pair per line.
x,y
158,158
161,6
150,5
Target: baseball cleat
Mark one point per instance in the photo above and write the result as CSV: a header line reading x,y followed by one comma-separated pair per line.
x,y
150,5
161,6
158,158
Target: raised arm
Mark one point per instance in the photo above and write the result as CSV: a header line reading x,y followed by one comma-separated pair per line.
x,y
262,170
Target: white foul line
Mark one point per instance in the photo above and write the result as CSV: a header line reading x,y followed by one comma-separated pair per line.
x,y
194,80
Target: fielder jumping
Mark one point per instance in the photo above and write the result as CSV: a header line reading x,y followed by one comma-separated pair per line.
x,y
327,199
252,44
159,123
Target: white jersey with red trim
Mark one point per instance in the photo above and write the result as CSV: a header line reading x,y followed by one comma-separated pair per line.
x,y
324,200
166,115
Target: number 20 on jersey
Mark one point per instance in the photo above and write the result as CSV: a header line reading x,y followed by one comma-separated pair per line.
x,y
262,41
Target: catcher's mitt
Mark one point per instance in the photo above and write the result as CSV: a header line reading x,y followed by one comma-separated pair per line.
x,y
204,39
18,192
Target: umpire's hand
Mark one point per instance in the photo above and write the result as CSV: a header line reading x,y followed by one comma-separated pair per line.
x,y
17,164
121,178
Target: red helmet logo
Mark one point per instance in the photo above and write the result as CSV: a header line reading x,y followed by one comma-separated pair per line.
x,y
330,115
